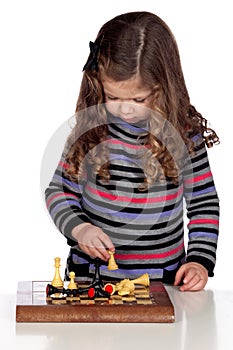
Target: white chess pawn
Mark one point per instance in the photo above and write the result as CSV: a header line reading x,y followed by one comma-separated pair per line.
x,y
111,262
72,284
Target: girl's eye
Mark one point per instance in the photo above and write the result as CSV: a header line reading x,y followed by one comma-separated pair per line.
x,y
112,98
139,100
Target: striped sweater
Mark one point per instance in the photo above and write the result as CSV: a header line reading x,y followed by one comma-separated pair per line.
x,y
146,227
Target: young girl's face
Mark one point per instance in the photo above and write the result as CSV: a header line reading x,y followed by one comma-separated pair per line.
x,y
127,99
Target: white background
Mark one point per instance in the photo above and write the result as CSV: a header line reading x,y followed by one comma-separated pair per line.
x,y
44,45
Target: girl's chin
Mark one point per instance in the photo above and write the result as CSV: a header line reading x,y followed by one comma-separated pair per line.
x,y
130,120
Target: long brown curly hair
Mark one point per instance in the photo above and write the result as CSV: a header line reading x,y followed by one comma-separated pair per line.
x,y
135,44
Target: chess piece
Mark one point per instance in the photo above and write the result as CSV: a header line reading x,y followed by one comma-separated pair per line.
x,y
96,288
143,280
50,290
127,287
72,284
124,291
110,288
120,285
111,262
57,281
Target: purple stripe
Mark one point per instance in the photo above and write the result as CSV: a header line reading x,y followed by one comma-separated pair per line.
x,y
207,190
79,260
196,137
119,272
129,160
131,215
128,126
64,204
69,183
172,267
203,234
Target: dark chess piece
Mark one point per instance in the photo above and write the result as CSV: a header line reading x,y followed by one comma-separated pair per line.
x,y
50,290
96,288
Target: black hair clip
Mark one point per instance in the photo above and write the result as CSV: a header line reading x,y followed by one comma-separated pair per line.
x,y
92,62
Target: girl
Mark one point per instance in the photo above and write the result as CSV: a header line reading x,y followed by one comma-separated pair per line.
x,y
137,151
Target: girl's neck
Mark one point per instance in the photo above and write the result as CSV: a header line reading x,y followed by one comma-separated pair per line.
x,y
136,128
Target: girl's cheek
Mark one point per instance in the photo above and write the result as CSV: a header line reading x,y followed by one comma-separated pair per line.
x,y
112,108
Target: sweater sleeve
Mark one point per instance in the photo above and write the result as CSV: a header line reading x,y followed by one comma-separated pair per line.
x,y
202,209
63,201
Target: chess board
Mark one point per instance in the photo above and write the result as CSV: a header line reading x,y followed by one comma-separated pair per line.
x,y
146,304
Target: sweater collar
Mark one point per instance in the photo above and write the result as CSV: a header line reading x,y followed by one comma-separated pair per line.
x,y
133,131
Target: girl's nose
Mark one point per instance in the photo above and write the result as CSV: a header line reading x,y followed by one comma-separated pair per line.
x,y
126,108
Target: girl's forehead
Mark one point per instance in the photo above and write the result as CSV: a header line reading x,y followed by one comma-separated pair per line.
x,y
133,86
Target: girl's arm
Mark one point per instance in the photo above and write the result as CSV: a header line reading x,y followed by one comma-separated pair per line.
x,y
63,200
202,212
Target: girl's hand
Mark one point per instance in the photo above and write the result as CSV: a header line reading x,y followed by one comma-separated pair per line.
x,y
93,241
193,275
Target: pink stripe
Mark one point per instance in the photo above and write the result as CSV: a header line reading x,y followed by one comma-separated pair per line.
x,y
149,256
118,142
59,195
64,165
203,221
134,200
199,178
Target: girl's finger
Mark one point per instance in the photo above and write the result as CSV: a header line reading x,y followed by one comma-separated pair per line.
x,y
191,283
